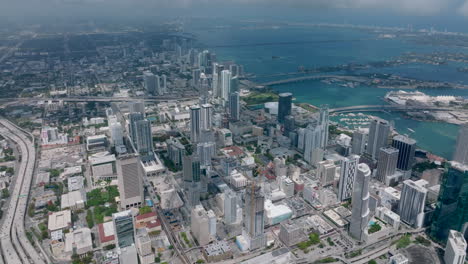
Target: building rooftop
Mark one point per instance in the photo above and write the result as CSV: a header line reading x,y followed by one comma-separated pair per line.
x,y
146,216
72,198
75,183
405,139
100,158
59,220
106,232
217,248
79,239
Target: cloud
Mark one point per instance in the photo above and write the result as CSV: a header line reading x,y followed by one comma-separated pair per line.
x,y
463,10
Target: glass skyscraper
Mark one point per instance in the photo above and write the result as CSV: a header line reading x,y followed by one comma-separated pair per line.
x,y
284,106
452,205
124,229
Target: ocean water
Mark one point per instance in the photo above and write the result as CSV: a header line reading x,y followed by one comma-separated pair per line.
x,y
255,47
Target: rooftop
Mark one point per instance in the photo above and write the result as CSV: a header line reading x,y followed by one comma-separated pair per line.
x,y
59,220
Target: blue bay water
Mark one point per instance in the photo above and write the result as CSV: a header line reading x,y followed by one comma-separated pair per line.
x,y
312,47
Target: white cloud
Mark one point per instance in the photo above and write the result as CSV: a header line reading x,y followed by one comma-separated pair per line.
x,y
463,10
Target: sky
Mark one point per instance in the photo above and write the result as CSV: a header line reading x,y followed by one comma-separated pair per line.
x,y
442,13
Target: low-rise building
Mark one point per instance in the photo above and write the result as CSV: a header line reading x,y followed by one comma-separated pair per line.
x,y
106,233
217,251
59,220
388,217
78,242
73,200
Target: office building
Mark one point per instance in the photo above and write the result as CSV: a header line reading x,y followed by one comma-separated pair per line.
x,y
191,168
78,242
358,145
206,151
144,139
452,206
291,233
200,225
230,207
158,85
289,125
225,84
133,118
206,116
407,148
284,106
387,163
360,203
234,106
378,136
195,123
347,176
455,251
461,151
254,221
129,175
412,202
326,171
124,228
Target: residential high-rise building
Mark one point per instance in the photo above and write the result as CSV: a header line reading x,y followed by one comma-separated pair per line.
x,y
324,124
206,116
326,171
254,221
312,140
195,123
130,181
230,207
196,77
203,89
200,225
234,84
159,91
452,205
284,106
164,83
234,106
133,119
359,142
461,151
455,251
144,138
124,228
407,148
116,132
137,107
378,136
225,84
175,151
150,83
206,151
360,202
412,202
289,125
387,163
348,174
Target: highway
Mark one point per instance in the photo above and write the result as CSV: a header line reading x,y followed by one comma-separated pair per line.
x,y
15,247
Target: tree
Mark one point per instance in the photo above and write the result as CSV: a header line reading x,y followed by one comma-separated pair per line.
x,y
372,262
145,210
200,261
89,218
5,193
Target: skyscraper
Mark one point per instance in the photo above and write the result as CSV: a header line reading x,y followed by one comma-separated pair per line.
x,y
461,149
326,172
206,151
195,123
324,124
255,217
203,89
312,140
407,148
452,204
378,136
124,228
150,82
200,225
387,163
360,202
225,84
206,116
230,207
133,118
455,251
412,202
164,83
116,132
234,106
284,106
359,142
348,174
144,139
130,181
158,85
289,125
191,168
